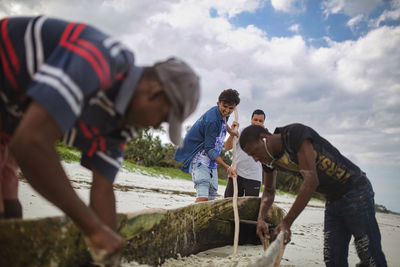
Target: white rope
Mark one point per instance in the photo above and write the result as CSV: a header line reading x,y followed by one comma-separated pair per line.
x,y
272,256
235,191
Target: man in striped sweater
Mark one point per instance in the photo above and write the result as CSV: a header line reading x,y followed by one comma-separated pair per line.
x,y
67,80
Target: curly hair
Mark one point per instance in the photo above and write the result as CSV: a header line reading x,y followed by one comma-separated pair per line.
x,y
229,96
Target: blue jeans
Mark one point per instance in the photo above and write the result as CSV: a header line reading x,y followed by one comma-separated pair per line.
x,y
353,215
205,181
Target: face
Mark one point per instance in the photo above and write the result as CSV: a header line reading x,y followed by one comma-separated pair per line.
x,y
256,150
149,107
225,109
257,119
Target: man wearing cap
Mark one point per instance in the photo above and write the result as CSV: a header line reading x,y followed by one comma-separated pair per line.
x,y
203,144
68,80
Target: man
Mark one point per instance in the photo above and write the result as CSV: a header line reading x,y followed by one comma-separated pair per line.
x,y
249,172
203,144
68,79
349,210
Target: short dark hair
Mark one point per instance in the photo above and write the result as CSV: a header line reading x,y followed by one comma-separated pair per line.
x,y
258,112
251,134
229,96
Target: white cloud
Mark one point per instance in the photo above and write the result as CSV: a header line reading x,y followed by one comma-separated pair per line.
x,y
294,28
348,91
393,14
353,22
289,6
349,7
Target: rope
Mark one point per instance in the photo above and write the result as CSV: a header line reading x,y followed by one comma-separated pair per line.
x,y
235,192
273,255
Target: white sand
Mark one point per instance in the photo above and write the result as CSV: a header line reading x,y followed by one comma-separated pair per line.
x,y
143,192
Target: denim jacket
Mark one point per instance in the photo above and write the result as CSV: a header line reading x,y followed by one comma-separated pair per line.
x,y
202,135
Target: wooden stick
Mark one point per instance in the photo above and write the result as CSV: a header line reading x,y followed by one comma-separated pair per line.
x,y
235,192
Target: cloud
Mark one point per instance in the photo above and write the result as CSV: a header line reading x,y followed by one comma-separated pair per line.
x,y
388,15
349,7
348,91
353,22
289,6
294,28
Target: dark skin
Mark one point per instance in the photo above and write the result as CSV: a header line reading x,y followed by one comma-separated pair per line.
x,y
310,183
36,135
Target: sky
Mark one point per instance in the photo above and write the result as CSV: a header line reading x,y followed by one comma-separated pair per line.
x,y
333,65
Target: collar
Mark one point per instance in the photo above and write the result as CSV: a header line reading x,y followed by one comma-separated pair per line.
x,y
127,88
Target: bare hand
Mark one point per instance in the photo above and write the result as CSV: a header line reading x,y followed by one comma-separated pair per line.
x,y
232,130
262,231
287,233
235,125
232,172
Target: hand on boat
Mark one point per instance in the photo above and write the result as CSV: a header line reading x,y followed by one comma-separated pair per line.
x,y
263,232
286,231
105,247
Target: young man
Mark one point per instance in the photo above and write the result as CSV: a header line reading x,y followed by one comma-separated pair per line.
x,y
349,210
203,144
249,172
60,78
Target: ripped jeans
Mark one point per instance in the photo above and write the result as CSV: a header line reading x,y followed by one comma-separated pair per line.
x,y
353,215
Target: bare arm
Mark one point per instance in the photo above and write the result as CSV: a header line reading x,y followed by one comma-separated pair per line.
x,y
33,147
267,199
102,200
310,183
231,172
228,143
232,133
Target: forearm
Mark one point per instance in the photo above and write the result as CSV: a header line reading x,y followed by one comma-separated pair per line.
x,y
229,143
267,199
102,200
306,190
222,163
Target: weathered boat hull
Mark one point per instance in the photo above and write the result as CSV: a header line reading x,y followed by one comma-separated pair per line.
x,y
151,236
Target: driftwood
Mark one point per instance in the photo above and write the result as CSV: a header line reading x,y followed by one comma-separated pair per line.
x,y
151,236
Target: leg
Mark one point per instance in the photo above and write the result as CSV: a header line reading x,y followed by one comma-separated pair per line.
x,y
240,186
213,189
362,223
11,207
336,237
201,180
251,187
229,188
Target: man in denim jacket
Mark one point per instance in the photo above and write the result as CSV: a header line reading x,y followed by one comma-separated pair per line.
x,y
203,144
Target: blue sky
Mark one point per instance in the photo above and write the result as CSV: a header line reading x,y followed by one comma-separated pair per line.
x,y
331,64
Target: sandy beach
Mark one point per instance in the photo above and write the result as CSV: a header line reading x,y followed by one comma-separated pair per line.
x,y
137,191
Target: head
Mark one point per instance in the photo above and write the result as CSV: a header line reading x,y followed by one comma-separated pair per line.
x,y
252,141
258,117
169,92
227,101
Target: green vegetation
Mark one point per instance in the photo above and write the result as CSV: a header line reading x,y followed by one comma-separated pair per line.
x,y
67,153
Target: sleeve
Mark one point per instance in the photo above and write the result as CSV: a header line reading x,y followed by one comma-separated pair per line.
x,y
105,156
266,168
211,133
297,134
74,71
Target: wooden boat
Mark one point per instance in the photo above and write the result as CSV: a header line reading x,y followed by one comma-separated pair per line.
x,y
152,236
